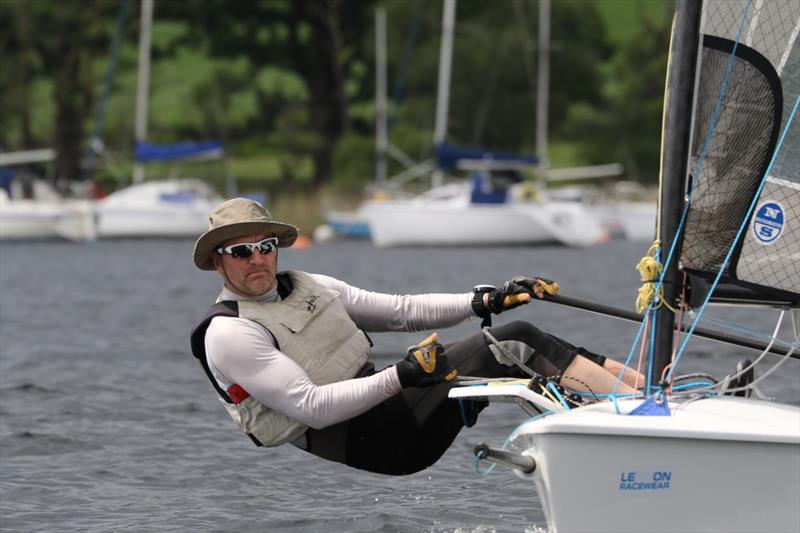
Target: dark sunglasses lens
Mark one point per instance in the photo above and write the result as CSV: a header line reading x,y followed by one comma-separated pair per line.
x,y
241,252
265,248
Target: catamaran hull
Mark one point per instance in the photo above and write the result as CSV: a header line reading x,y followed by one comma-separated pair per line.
x,y
722,466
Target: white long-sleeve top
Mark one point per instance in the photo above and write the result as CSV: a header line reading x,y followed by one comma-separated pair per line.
x,y
242,351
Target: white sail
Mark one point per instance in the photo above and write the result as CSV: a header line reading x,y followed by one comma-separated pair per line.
x,y
746,146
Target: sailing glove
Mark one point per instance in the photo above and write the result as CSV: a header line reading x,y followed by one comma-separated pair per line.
x,y
425,365
515,292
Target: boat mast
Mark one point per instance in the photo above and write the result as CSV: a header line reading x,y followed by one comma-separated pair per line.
x,y
381,127
443,94
143,82
674,164
543,88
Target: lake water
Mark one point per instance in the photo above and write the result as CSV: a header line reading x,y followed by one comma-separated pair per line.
x,y
107,422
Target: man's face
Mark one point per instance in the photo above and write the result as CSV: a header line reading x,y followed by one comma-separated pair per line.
x,y
252,276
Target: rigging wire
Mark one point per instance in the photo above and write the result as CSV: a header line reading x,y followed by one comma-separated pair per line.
x,y
740,373
94,144
698,168
734,326
724,264
793,347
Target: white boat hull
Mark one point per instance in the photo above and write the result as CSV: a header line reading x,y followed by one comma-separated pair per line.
x,y
406,223
713,465
632,221
157,208
71,220
151,222
716,464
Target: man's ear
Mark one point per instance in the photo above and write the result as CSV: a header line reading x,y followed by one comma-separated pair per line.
x,y
216,259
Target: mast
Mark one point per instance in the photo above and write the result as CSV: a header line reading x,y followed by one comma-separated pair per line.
x,y
143,82
543,87
677,132
443,94
381,128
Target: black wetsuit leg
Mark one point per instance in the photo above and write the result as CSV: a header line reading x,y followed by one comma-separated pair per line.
x,y
412,430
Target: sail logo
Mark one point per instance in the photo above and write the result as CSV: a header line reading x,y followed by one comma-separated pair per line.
x,y
768,222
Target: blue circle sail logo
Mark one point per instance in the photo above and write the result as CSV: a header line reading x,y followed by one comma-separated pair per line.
x,y
768,222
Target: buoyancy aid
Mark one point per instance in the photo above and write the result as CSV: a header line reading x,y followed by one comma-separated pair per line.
x,y
312,327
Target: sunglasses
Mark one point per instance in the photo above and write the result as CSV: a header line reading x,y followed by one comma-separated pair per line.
x,y
245,249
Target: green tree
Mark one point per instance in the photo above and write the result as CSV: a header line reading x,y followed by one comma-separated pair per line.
x,y
626,125
494,71
54,43
316,39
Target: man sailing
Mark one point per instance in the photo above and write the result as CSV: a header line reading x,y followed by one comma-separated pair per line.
x,y
288,352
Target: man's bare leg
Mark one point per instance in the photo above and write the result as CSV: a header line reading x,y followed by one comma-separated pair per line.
x,y
584,375
630,377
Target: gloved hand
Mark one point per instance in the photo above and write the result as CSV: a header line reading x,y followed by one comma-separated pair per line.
x,y
515,292
425,365
538,286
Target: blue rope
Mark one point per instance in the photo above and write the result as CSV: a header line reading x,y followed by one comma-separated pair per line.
x,y
685,386
748,331
554,390
635,343
698,169
597,395
722,91
742,227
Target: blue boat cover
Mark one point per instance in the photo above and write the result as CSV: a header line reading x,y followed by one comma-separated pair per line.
x,y
448,156
149,152
492,188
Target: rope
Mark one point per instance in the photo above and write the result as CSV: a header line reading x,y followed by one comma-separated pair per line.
x,y
558,395
590,393
721,384
546,392
641,357
738,235
697,170
649,271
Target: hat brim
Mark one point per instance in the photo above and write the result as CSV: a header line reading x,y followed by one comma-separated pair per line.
x,y
210,240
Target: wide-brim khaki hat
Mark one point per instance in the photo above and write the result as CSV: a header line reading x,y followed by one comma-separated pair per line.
x,y
235,218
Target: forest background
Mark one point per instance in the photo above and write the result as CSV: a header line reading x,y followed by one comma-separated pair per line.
x,y
289,87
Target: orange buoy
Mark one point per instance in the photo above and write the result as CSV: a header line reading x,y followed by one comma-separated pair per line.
x,y
302,243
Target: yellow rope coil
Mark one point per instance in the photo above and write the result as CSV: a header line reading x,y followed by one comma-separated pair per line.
x,y
649,269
